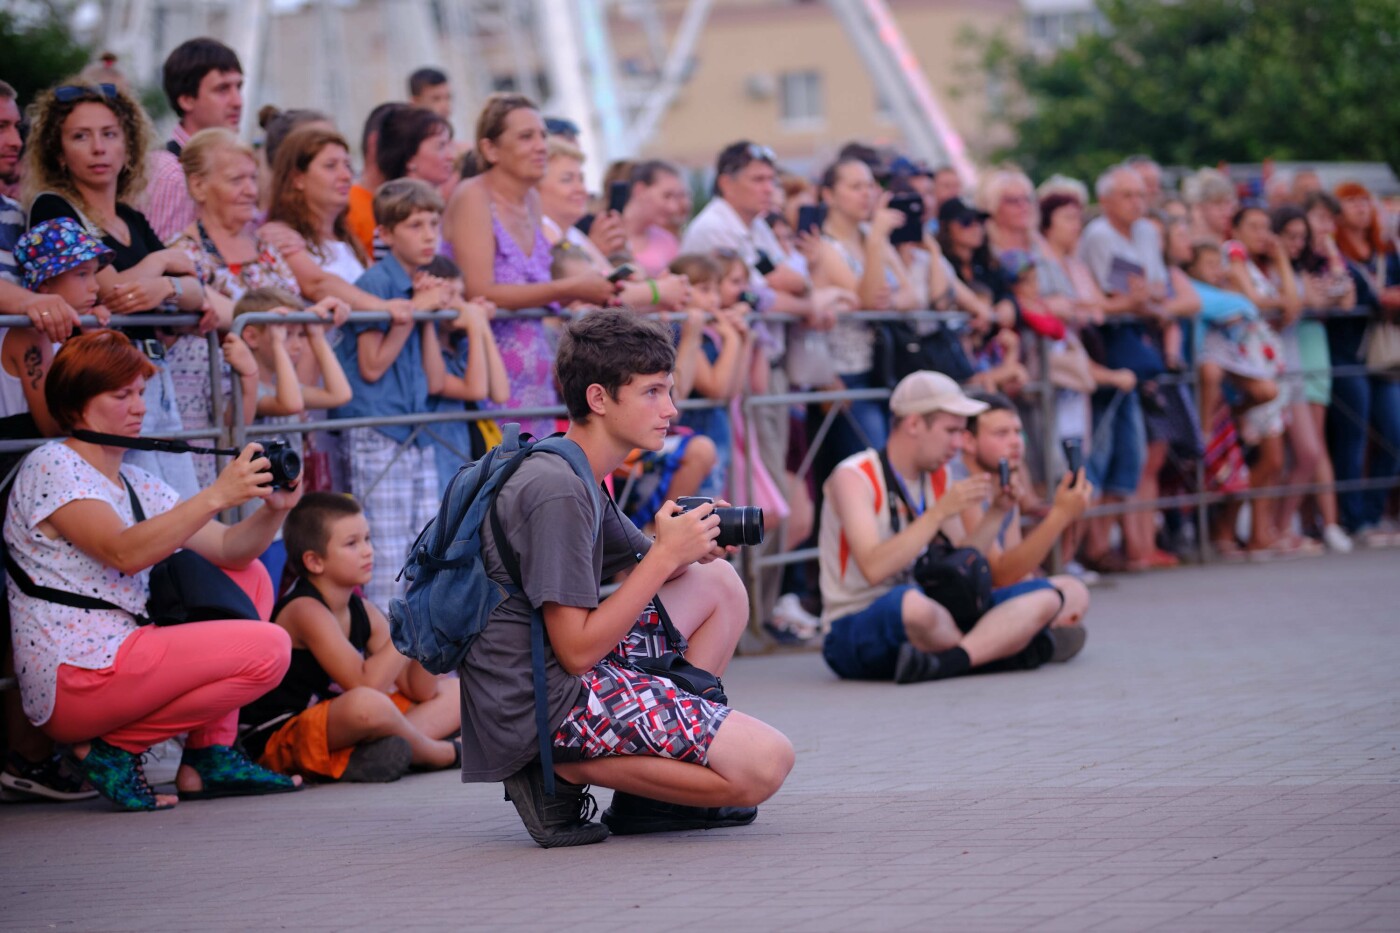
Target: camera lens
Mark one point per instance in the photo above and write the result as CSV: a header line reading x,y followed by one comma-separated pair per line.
x,y
740,525
284,464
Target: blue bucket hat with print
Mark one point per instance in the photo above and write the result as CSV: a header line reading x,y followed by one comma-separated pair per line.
x,y
55,247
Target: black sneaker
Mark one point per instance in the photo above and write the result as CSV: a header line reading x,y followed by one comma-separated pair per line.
x,y
630,815
1068,640
914,666
566,819
380,761
23,779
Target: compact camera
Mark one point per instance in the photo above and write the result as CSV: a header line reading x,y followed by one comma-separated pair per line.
x,y
738,525
285,463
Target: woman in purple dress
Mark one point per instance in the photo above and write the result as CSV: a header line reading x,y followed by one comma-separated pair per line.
x,y
493,224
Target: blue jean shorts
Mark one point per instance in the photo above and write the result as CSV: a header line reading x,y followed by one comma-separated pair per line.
x,y
865,645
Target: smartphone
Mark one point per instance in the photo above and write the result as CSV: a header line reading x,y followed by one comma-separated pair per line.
x,y
912,230
1074,457
618,194
1004,469
763,264
624,271
810,218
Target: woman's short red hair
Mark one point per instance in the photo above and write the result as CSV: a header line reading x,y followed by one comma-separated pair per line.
x,y
87,366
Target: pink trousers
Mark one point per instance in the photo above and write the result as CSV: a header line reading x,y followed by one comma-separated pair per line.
x,y
184,678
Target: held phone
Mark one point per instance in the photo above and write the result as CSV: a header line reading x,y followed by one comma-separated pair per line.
x,y
622,272
912,230
1074,457
619,192
763,264
810,218
1004,471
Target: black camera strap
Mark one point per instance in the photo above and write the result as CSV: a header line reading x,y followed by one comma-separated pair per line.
x,y
894,488
158,444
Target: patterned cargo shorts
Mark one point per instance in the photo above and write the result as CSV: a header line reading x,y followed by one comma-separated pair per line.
x,y
629,712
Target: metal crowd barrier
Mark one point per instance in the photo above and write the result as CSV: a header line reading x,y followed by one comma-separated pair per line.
x,y
235,433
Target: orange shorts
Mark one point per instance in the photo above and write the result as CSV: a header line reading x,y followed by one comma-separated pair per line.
x,y
302,745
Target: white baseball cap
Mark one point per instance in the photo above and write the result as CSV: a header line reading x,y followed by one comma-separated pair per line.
x,y
924,392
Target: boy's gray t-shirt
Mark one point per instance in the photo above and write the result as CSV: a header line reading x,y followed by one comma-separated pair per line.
x,y
547,514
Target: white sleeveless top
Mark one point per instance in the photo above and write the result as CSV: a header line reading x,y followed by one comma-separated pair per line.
x,y
844,589
12,400
340,259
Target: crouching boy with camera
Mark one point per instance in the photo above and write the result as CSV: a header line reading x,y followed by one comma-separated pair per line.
x,y
892,540
676,760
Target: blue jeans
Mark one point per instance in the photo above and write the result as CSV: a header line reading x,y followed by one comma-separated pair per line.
x,y
1119,445
1360,402
1364,408
873,416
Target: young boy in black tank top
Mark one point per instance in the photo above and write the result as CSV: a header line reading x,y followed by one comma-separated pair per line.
x,y
360,710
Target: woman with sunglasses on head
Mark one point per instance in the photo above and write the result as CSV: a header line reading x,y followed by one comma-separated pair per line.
x,y
87,161
495,225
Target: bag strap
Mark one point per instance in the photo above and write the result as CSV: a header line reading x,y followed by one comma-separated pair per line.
x,y
673,635
28,587
511,560
896,488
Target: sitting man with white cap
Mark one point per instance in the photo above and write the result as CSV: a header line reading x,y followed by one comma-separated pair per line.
x,y
883,509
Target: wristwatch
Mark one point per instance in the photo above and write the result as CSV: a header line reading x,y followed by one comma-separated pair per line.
x,y
179,289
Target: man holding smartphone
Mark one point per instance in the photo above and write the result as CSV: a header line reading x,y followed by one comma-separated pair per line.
x,y
995,441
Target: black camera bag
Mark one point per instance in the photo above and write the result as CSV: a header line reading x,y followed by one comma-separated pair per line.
x,y
957,578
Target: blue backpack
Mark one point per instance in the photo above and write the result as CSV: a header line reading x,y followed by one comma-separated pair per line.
x,y
450,598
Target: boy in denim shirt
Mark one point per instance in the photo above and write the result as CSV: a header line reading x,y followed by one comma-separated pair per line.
x,y
393,367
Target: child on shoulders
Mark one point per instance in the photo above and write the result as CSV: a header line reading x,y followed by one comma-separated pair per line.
x,y
350,707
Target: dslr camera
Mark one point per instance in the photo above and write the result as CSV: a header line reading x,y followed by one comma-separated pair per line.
x,y
740,525
285,463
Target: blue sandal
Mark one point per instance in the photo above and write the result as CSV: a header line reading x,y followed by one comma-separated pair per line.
x,y
119,776
227,772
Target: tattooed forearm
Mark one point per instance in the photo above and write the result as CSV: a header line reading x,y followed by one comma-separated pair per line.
x,y
33,367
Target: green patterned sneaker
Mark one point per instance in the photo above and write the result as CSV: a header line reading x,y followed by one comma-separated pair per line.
x,y
227,772
117,775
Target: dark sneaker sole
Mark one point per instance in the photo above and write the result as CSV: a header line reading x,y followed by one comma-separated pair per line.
x,y
15,789
381,761
522,796
623,826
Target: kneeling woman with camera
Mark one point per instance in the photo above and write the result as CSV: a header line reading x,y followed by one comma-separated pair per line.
x,y
80,523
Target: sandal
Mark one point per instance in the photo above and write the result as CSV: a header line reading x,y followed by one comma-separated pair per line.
x,y
227,772
119,776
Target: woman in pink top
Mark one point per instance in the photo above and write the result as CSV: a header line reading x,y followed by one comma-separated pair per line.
x,y
658,197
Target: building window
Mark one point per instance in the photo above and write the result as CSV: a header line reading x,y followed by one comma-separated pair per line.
x,y
801,98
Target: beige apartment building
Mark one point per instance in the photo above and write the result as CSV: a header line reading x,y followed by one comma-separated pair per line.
x,y
779,71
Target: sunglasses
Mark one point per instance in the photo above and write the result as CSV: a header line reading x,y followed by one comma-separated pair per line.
x,y
68,93
753,152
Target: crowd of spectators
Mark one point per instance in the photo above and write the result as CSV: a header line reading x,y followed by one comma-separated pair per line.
x,y
1181,336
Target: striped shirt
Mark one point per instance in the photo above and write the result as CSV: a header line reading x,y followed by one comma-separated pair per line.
x,y
11,227
168,205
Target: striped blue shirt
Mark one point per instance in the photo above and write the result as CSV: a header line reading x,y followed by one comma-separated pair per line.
x,y
11,227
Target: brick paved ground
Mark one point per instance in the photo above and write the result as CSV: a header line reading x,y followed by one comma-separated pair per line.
x,y
1222,757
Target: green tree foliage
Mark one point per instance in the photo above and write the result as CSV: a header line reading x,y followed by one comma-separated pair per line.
x,y
39,49
1194,82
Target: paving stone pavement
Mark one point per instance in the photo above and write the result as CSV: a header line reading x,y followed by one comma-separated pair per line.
x,y
1223,756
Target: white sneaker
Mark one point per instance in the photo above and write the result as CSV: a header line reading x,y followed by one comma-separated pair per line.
x,y
789,616
1336,539
1086,576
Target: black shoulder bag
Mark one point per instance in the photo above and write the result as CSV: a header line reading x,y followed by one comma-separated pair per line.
x,y
184,587
957,578
672,664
